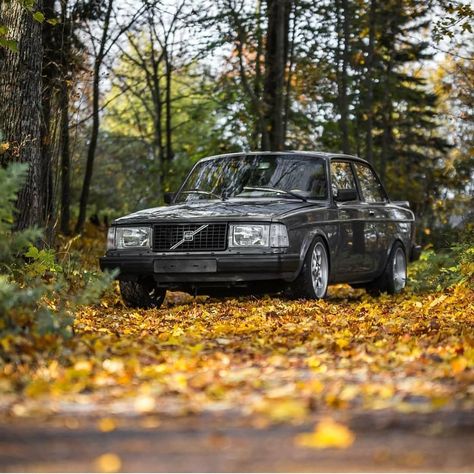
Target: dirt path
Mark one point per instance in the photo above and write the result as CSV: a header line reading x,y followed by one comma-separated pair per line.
x,y
209,443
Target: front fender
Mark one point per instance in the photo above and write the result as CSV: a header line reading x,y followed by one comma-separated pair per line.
x,y
308,239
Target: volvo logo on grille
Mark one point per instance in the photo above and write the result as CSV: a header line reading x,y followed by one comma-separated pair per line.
x,y
188,236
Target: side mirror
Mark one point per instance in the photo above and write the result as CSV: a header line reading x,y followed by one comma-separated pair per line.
x,y
345,195
169,197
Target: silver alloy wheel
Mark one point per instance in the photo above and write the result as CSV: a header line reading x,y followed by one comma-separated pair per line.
x,y
399,270
319,270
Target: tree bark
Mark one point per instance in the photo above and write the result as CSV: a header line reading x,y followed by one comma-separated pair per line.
x,y
369,101
65,163
275,61
168,124
158,110
342,63
95,121
50,77
387,124
291,58
258,131
20,111
65,158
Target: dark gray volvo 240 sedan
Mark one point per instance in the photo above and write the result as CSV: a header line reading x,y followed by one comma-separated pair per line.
x,y
266,222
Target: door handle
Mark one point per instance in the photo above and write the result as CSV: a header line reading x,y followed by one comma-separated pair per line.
x,y
371,212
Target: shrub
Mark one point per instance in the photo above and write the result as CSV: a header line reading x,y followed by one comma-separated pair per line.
x,y
445,268
37,297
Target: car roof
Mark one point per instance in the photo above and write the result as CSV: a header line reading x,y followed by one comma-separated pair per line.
x,y
309,154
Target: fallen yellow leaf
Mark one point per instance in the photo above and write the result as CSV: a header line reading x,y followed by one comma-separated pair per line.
x,y
107,424
327,434
108,462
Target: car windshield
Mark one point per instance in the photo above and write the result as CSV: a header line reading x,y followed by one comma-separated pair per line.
x,y
250,176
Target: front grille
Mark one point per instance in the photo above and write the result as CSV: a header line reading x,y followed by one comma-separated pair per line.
x,y
211,237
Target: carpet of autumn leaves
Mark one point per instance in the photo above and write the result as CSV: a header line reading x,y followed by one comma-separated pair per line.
x,y
275,359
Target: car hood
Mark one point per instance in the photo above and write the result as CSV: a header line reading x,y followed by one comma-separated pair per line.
x,y
252,209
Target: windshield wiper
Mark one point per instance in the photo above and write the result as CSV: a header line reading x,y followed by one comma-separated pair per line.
x,y
200,191
275,190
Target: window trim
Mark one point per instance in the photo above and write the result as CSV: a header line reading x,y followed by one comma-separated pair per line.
x,y
361,193
356,181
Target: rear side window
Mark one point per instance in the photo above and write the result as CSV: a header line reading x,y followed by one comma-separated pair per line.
x,y
370,186
342,176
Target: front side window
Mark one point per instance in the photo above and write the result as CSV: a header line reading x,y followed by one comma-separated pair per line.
x,y
342,176
283,176
370,186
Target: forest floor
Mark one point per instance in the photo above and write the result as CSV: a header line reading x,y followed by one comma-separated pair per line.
x,y
352,383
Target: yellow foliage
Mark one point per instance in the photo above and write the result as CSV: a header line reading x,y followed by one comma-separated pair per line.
x,y
277,359
326,434
283,410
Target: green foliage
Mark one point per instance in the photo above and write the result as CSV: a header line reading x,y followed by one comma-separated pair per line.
x,y
29,6
38,16
129,167
9,44
38,296
457,18
41,261
12,243
443,269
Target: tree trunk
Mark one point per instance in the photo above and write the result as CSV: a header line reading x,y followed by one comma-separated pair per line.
x,y
95,121
65,164
275,61
342,55
369,102
65,158
168,124
387,124
258,131
50,77
20,111
158,125
291,57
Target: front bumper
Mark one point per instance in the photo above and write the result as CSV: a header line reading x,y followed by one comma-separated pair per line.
x,y
204,269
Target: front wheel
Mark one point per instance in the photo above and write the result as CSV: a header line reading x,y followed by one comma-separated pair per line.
x,y
142,294
394,278
312,283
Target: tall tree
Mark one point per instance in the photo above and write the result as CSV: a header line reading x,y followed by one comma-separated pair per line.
x,y
75,15
20,111
99,58
151,55
64,91
342,69
369,87
51,72
408,147
111,33
276,55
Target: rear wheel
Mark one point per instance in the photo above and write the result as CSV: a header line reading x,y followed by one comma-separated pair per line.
x,y
312,283
142,294
394,278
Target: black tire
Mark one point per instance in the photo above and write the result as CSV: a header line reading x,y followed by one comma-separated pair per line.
x,y
144,294
304,286
392,281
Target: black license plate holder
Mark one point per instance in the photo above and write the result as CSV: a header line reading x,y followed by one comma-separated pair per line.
x,y
186,266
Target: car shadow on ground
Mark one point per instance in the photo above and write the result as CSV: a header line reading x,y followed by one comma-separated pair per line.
x,y
336,294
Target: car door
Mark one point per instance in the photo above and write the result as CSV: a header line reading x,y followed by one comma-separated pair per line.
x,y
374,207
351,257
